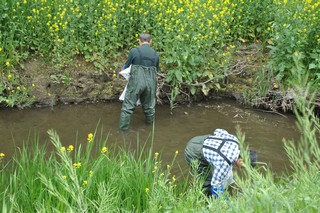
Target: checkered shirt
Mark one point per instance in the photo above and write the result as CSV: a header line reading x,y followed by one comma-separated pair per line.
x,y
230,150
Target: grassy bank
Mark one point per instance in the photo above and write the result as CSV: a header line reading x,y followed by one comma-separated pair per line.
x,y
196,40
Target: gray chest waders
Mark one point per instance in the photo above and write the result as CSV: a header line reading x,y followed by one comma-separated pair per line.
x,y
142,85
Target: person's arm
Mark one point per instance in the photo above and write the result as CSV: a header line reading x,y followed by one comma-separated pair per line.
x,y
129,60
158,63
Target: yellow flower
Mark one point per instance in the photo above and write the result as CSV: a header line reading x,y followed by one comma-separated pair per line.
x,y
9,76
147,190
90,173
85,182
168,166
33,85
77,165
177,152
104,149
7,63
64,177
90,137
155,169
156,155
2,155
18,88
70,148
63,149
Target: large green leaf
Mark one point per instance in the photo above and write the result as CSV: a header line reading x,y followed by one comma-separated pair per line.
x,y
178,75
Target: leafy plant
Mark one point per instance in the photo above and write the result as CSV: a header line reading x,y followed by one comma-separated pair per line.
x,y
14,92
63,78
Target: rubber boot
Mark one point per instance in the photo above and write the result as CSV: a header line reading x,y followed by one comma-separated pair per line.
x,y
124,122
149,119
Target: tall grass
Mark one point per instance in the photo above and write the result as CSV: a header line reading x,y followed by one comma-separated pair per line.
x,y
96,178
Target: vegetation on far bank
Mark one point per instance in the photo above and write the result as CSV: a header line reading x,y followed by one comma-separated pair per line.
x,y
198,42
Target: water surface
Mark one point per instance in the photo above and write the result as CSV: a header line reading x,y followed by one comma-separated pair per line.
x,y
264,131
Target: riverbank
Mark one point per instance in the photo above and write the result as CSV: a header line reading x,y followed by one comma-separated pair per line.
x,y
82,82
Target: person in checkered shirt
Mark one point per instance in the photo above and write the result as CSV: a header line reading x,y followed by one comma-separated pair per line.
x,y
220,151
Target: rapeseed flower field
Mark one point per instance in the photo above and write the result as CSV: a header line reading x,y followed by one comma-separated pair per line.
x,y
196,39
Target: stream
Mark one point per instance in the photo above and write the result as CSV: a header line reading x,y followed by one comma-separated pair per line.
x,y
264,131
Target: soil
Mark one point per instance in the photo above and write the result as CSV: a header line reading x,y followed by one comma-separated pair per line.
x,y
79,83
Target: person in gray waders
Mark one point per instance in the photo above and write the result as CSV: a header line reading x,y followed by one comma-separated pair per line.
x,y
142,82
220,152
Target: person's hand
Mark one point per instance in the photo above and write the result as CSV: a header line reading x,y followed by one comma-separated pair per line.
x,y
239,162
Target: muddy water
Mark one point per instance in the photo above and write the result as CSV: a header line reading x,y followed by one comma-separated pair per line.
x,y
264,130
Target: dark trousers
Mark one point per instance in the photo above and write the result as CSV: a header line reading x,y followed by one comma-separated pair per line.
x,y
193,152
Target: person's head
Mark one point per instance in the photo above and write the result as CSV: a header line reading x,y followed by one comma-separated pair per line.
x,y
145,38
253,159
